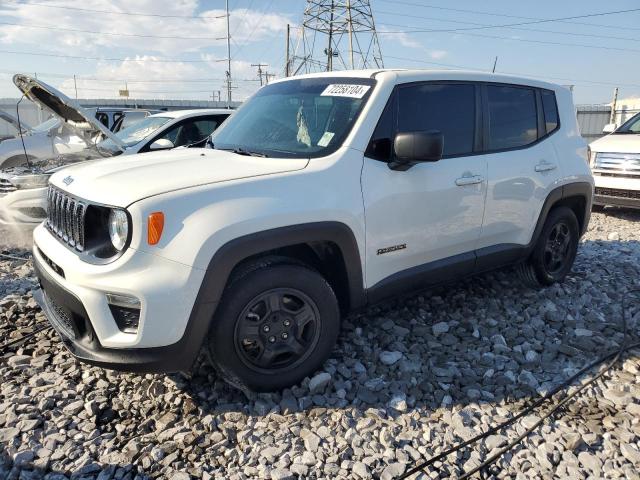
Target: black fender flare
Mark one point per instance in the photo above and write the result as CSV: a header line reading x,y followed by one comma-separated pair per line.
x,y
232,253
563,192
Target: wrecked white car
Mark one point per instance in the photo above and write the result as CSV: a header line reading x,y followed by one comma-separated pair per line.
x,y
23,187
48,139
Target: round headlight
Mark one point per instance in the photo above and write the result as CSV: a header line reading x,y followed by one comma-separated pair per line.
x,y
118,228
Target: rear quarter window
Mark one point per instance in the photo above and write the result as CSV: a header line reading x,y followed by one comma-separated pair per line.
x,y
550,110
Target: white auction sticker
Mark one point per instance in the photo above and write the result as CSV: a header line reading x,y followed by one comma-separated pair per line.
x,y
345,90
326,138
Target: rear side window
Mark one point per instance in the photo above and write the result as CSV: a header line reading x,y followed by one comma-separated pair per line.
x,y
513,120
550,109
448,108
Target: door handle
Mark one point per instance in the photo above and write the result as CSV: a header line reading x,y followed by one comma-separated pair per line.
x,y
544,167
471,180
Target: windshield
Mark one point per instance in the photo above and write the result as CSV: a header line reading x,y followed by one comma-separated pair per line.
x,y
134,133
630,126
296,118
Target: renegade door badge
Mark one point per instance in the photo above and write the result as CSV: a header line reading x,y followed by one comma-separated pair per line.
x,y
395,248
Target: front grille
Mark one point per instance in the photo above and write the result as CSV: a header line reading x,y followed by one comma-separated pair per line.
x,y
617,164
615,192
65,218
6,187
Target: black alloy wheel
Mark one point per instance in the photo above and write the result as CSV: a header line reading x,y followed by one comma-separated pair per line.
x,y
277,330
277,322
557,248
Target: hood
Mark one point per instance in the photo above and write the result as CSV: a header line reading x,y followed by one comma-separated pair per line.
x,y
11,120
82,122
122,180
617,143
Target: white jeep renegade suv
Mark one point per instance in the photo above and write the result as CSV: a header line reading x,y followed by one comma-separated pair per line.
x,y
322,194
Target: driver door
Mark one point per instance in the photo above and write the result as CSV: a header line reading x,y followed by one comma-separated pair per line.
x,y
422,224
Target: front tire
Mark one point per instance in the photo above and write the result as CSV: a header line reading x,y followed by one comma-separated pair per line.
x,y
276,324
555,250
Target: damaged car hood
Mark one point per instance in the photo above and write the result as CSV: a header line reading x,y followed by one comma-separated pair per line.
x,y
85,125
121,181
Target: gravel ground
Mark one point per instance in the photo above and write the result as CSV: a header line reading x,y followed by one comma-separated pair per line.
x,y
408,379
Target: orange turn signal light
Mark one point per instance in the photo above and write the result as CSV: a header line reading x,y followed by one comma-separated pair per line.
x,y
155,224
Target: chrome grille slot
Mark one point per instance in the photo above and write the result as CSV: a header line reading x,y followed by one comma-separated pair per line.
x,y
65,218
617,164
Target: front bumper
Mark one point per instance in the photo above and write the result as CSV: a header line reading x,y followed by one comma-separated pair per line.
x,y
64,310
618,198
618,191
73,297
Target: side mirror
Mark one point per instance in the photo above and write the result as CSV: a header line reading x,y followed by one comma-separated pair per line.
x,y
610,128
415,147
161,144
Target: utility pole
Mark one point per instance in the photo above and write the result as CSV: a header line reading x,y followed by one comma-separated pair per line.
x,y
329,48
268,75
495,62
350,33
612,118
287,62
75,85
260,65
228,57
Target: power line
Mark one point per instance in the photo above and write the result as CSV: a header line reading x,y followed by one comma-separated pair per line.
x,y
80,57
112,12
610,37
466,67
531,22
116,34
122,80
504,15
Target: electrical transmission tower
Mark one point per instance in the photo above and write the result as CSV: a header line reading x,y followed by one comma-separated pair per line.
x,y
337,35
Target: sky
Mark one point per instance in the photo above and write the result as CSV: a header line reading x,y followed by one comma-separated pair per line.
x,y
177,49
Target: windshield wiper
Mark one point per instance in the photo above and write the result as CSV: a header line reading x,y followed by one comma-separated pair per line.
x,y
249,153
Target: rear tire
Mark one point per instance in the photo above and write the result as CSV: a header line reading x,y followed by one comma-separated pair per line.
x,y
276,324
555,250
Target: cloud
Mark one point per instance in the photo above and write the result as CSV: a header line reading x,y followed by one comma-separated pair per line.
x,y
132,39
404,39
438,54
399,37
144,77
134,32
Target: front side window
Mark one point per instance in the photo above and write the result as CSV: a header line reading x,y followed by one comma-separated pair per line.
x,y
630,126
302,118
447,108
190,131
513,120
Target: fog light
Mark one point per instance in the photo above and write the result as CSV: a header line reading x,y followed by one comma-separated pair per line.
x,y
125,310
